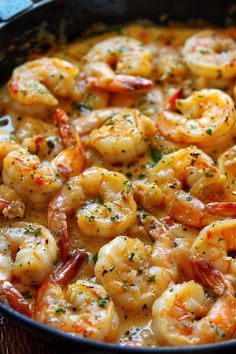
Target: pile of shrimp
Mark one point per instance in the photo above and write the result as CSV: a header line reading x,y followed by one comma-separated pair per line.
x,y
118,186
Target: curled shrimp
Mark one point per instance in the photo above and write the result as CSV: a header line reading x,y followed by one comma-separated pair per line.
x,y
190,168
201,118
121,135
227,166
186,167
134,275
118,64
211,54
35,85
103,203
81,307
37,181
214,244
27,253
183,315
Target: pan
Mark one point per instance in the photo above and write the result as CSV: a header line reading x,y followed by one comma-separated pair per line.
x,y
32,26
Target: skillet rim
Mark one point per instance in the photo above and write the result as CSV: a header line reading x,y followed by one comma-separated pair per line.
x,y
31,325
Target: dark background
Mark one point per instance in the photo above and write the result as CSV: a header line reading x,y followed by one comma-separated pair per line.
x,y
14,340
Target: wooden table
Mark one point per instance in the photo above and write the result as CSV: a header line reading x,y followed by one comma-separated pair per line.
x,y
14,340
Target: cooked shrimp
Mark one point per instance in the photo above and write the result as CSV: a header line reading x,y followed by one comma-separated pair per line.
x,y
10,204
27,253
39,137
192,168
214,243
103,202
35,85
118,64
36,181
211,54
134,274
227,166
124,270
123,136
81,307
188,210
184,315
187,167
201,118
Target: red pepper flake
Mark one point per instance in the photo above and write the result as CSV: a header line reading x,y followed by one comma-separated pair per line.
x,y
168,221
209,234
39,180
172,100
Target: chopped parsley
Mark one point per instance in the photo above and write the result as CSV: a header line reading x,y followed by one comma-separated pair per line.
x,y
95,258
50,144
156,155
131,256
103,301
31,229
209,131
152,279
60,310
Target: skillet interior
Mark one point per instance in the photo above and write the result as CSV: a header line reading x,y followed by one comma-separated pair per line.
x,y
34,30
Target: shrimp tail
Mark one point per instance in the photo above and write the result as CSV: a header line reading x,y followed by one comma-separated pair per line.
x,y
61,229
74,152
211,276
65,129
68,270
15,299
126,83
179,93
227,209
64,244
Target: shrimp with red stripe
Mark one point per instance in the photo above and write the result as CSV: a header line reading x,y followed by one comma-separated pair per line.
x,y
37,182
79,307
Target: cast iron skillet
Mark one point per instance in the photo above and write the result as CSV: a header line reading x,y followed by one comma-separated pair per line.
x,y
27,27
